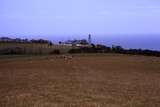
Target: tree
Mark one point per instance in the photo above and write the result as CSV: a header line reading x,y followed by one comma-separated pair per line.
x,y
56,51
117,49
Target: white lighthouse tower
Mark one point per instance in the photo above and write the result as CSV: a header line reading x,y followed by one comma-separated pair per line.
x,y
89,39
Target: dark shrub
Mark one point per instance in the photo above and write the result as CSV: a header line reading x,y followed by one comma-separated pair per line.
x,y
72,51
56,51
12,51
117,49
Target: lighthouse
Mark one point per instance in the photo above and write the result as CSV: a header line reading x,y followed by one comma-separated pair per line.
x,y
89,39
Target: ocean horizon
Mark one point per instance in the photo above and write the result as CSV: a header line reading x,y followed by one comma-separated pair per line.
x,y
134,42
151,42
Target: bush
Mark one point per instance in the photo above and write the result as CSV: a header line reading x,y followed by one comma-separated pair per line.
x,y
56,51
72,51
12,51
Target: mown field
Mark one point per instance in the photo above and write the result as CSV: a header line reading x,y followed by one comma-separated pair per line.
x,y
83,81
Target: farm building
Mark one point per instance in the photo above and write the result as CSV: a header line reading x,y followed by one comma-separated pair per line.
x,y
78,43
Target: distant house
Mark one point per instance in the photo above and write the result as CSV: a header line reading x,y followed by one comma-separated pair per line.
x,y
76,43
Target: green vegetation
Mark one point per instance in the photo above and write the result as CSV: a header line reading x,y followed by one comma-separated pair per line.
x,y
10,46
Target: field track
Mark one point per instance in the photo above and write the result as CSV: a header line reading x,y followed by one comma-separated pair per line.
x,y
82,81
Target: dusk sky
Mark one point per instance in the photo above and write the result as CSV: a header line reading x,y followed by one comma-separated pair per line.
x,y
130,23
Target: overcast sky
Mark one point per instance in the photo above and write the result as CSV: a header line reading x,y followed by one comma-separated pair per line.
x,y
46,18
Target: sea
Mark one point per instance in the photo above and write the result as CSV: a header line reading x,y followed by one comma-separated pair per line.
x,y
151,42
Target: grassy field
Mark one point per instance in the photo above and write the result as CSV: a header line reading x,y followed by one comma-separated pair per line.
x,y
84,81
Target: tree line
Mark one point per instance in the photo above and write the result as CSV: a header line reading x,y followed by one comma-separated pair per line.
x,y
18,40
115,49
99,48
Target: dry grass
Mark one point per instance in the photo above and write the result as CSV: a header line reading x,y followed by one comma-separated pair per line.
x,y
84,81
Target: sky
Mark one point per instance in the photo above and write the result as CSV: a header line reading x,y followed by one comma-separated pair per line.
x,y
130,23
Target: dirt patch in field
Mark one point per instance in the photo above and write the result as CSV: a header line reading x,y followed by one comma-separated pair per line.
x,y
81,81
